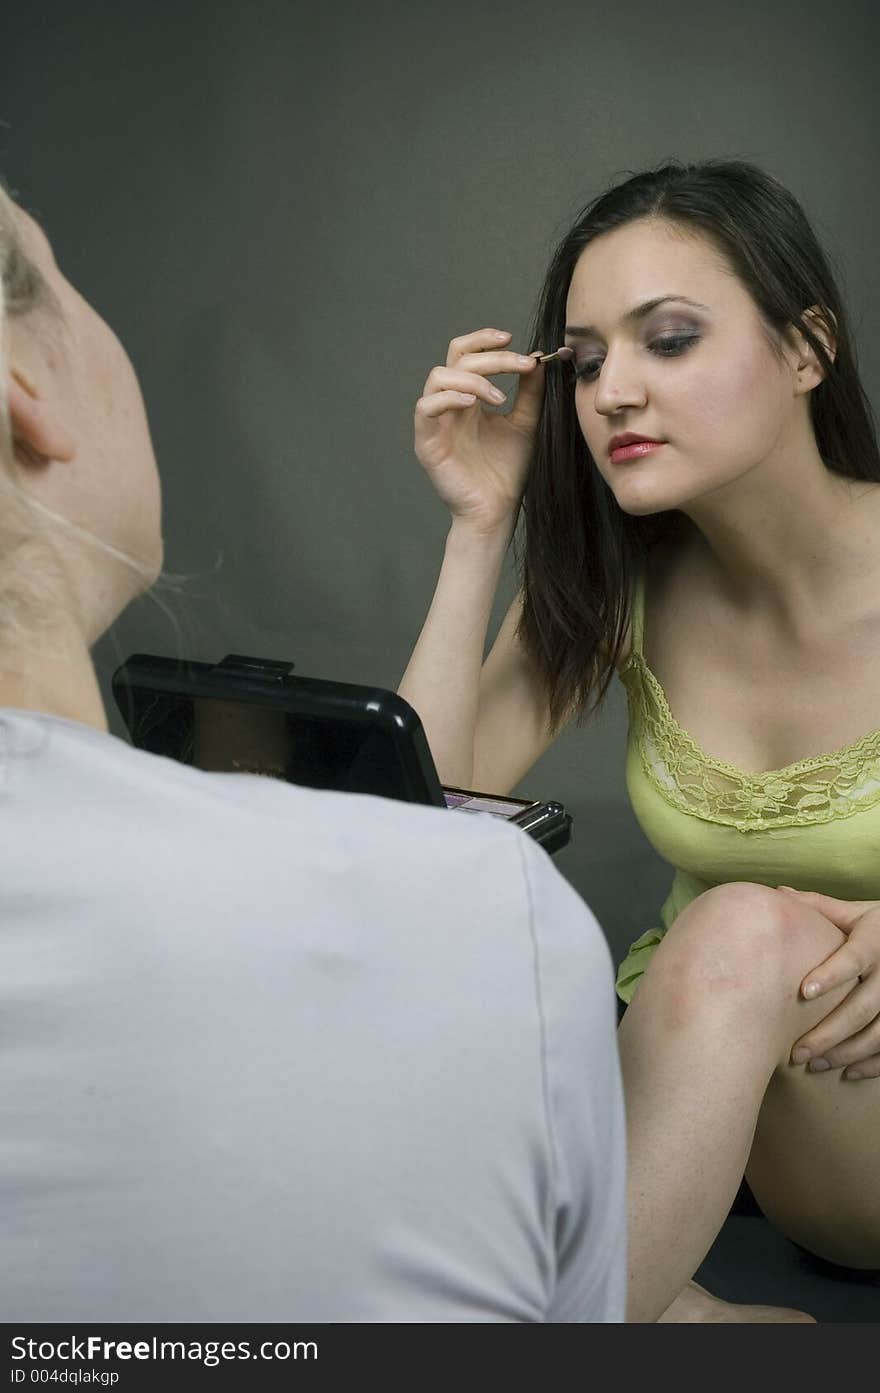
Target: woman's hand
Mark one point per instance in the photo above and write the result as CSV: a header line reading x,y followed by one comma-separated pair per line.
x,y
849,1036
478,459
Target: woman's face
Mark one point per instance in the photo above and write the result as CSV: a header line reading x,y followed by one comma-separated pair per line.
x,y
80,373
700,377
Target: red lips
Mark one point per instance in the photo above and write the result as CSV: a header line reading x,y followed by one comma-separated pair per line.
x,y
629,439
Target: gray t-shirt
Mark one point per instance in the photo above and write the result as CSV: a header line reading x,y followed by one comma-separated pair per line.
x,y
275,1054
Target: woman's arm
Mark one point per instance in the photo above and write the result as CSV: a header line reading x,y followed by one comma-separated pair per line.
x,y
442,679
483,726
486,723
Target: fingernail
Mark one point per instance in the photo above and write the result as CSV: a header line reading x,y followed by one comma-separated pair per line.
x,y
496,395
853,1074
525,362
800,1055
811,988
501,334
817,1065
788,887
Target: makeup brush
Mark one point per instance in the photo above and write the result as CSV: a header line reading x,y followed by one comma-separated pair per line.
x,y
563,354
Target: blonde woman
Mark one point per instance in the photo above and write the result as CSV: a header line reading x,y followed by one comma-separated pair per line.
x,y
269,1053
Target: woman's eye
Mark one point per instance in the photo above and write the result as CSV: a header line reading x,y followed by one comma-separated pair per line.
x,y
670,344
585,370
667,346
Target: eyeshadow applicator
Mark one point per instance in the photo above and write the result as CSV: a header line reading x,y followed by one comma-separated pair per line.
x,y
563,354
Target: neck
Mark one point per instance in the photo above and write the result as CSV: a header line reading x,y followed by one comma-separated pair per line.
x,y
790,538
59,685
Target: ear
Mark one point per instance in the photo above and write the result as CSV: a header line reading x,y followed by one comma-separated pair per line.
x,y
809,369
38,432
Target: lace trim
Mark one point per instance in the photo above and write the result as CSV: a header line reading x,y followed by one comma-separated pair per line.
x,y
817,789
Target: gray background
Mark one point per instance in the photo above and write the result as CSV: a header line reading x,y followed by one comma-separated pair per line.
x,y
287,214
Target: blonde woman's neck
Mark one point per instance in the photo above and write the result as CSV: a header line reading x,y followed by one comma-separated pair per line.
x,y
57,686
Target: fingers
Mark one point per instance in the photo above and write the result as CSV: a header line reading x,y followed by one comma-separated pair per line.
x,y
844,965
449,379
478,342
854,1053
857,957
843,913
476,367
472,359
865,1069
441,402
463,380
848,1037
484,352
502,361
850,1034
446,390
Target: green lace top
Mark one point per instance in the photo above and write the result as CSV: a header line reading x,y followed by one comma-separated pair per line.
x,y
810,824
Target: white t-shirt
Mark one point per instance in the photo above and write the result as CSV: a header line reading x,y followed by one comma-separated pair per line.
x,y
275,1054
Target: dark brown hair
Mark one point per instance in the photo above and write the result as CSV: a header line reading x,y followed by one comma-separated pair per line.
x,y
582,551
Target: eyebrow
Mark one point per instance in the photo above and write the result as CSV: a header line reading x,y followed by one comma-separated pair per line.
x,y
586,331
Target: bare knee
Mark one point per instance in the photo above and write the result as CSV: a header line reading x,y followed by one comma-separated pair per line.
x,y
730,938
740,946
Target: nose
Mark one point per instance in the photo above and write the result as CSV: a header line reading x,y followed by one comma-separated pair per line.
x,y
618,385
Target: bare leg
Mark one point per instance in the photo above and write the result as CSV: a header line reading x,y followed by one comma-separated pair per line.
x,y
715,1015
695,1305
